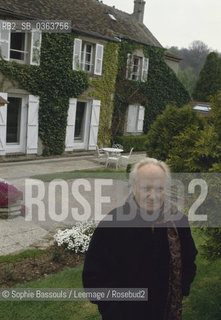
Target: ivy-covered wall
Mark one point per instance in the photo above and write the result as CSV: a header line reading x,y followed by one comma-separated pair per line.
x,y
161,88
103,89
54,82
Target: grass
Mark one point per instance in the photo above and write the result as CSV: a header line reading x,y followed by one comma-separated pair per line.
x,y
51,310
202,304
24,254
100,174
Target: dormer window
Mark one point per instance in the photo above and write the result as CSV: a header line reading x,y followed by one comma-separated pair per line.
x,y
112,17
137,67
88,56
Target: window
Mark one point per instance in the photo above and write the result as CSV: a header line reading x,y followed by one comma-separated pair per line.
x,y
87,56
137,67
135,119
24,47
13,120
18,46
112,17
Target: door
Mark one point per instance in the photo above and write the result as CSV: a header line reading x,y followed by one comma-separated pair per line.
x,y
81,130
16,124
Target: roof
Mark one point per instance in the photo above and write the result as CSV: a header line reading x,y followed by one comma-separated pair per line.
x,y
87,16
171,56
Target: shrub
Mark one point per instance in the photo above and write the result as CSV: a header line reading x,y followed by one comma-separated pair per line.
x,y
8,194
211,208
216,111
194,150
77,238
209,81
212,245
170,124
128,142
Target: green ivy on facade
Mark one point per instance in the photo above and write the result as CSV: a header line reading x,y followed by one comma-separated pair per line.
x,y
161,88
54,82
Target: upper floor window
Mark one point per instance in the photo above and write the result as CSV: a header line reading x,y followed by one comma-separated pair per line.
x,y
18,46
137,67
88,56
23,47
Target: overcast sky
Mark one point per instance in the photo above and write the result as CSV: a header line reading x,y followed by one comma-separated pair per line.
x,y
178,23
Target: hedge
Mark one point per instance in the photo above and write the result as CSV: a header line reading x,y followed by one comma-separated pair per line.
x,y
128,142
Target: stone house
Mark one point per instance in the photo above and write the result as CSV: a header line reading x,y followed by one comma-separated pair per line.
x,y
98,30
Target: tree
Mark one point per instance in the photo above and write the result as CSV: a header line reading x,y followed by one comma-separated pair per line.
x,y
188,79
209,81
194,56
167,126
216,111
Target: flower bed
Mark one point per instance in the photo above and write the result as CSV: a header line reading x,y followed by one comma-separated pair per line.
x,y
77,238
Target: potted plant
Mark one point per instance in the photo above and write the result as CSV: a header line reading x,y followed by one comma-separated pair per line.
x,y
10,200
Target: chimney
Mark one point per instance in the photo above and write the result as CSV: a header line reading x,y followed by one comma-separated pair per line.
x,y
139,10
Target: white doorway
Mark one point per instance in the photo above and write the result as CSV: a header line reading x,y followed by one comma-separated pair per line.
x,y
82,124
16,124
82,121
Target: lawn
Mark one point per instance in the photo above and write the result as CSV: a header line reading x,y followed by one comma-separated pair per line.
x,y
100,174
202,304
51,310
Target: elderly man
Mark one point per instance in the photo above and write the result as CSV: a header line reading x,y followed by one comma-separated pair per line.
x,y
149,245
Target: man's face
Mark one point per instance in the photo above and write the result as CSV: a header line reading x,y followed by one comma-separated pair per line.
x,y
150,185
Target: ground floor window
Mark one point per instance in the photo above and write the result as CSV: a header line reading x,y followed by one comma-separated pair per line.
x,y
13,120
135,119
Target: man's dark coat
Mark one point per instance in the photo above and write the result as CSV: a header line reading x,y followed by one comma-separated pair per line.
x,y
138,257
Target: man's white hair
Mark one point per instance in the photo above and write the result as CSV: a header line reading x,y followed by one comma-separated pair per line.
x,y
143,162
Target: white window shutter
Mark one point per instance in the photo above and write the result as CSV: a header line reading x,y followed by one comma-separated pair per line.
x,y
132,118
77,54
36,37
129,66
140,119
69,140
145,66
3,124
32,127
98,59
94,125
5,39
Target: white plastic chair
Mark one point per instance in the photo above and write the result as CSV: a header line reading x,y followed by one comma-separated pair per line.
x,y
127,158
102,156
113,159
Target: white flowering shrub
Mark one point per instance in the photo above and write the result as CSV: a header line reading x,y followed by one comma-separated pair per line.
x,y
77,238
